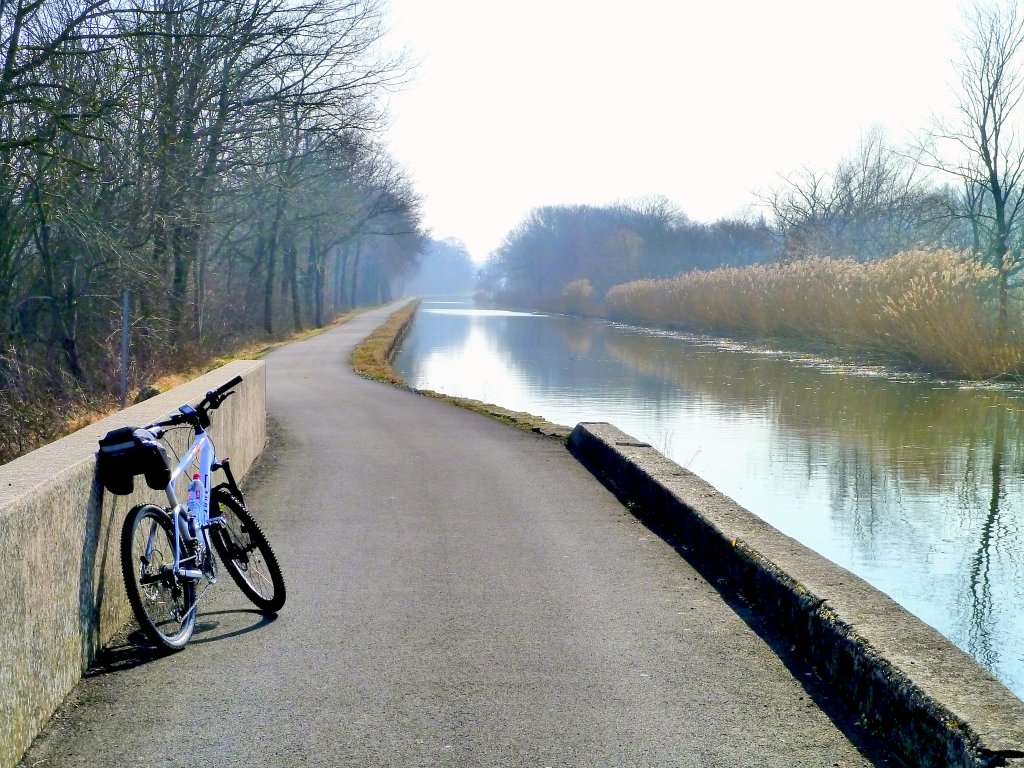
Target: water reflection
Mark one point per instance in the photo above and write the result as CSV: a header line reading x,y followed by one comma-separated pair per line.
x,y
979,629
914,485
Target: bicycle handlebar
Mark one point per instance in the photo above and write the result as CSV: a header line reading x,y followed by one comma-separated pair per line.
x,y
199,417
222,391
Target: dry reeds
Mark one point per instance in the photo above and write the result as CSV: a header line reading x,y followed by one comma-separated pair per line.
x,y
927,309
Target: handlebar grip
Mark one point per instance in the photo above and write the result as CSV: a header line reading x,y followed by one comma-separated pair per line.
x,y
216,394
215,397
225,387
171,421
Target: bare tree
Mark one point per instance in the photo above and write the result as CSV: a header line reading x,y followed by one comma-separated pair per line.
x,y
873,204
198,153
981,145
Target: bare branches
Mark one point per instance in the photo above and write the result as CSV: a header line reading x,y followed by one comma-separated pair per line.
x,y
204,153
981,145
872,204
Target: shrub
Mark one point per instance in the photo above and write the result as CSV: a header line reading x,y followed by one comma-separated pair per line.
x,y
578,299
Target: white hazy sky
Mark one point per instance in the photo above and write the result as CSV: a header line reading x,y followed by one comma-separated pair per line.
x,y
538,102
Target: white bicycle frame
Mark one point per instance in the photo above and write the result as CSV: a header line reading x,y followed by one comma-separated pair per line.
x,y
203,447
165,587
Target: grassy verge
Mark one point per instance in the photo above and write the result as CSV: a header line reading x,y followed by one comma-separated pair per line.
x,y
930,310
373,360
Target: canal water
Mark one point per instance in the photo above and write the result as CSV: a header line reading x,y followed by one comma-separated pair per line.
x,y
913,484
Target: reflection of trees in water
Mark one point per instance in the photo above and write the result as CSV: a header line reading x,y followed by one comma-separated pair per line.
x,y
579,337
979,628
429,333
917,431
554,353
909,466
860,489
994,531
568,354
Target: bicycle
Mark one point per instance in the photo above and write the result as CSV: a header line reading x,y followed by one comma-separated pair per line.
x,y
167,552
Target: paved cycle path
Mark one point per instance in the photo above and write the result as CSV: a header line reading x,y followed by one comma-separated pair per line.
x,y
460,593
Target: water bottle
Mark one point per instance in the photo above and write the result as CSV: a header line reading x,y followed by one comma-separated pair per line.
x,y
195,502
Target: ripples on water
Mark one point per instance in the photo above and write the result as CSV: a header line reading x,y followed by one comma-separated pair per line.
x,y
914,484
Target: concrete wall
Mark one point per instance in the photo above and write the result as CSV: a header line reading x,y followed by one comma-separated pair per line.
x,y
61,592
928,699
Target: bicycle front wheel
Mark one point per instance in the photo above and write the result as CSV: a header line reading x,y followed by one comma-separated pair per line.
x,y
246,553
164,604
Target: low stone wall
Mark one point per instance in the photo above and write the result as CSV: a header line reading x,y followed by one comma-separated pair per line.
x,y
61,591
928,699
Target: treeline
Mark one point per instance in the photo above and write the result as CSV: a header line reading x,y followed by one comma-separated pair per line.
x,y
959,186
559,246
216,159
872,205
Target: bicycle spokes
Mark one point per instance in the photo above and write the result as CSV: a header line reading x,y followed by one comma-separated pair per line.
x,y
163,602
246,554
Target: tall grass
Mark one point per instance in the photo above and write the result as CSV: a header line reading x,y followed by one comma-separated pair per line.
x,y
927,309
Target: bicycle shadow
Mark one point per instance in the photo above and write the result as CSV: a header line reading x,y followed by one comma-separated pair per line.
x,y
204,624
132,649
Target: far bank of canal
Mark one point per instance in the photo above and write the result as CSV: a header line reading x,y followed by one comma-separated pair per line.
x,y
915,485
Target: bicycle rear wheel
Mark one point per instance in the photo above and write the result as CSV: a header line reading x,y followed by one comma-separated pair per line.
x,y
164,604
246,553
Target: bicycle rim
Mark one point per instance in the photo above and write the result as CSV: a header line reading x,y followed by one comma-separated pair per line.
x,y
247,555
163,604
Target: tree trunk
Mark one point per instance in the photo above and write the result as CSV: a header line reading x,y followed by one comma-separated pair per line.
x,y
198,291
1000,253
179,282
271,256
292,265
340,274
59,327
1003,324
270,253
317,262
354,277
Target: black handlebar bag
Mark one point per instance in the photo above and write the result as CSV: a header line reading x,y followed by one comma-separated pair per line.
x,y
127,452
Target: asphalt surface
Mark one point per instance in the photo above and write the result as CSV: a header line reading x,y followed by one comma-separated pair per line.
x,y
460,593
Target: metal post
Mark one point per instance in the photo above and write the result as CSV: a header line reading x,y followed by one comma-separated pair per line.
x,y
125,323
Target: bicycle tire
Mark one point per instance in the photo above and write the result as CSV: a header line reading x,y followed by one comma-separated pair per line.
x,y
246,553
164,605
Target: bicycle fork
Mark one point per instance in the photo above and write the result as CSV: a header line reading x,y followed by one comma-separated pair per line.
x,y
231,485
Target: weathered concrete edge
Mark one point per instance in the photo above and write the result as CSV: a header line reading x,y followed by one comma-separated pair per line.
x,y
929,700
60,578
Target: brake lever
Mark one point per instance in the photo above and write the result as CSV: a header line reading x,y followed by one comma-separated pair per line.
x,y
216,401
